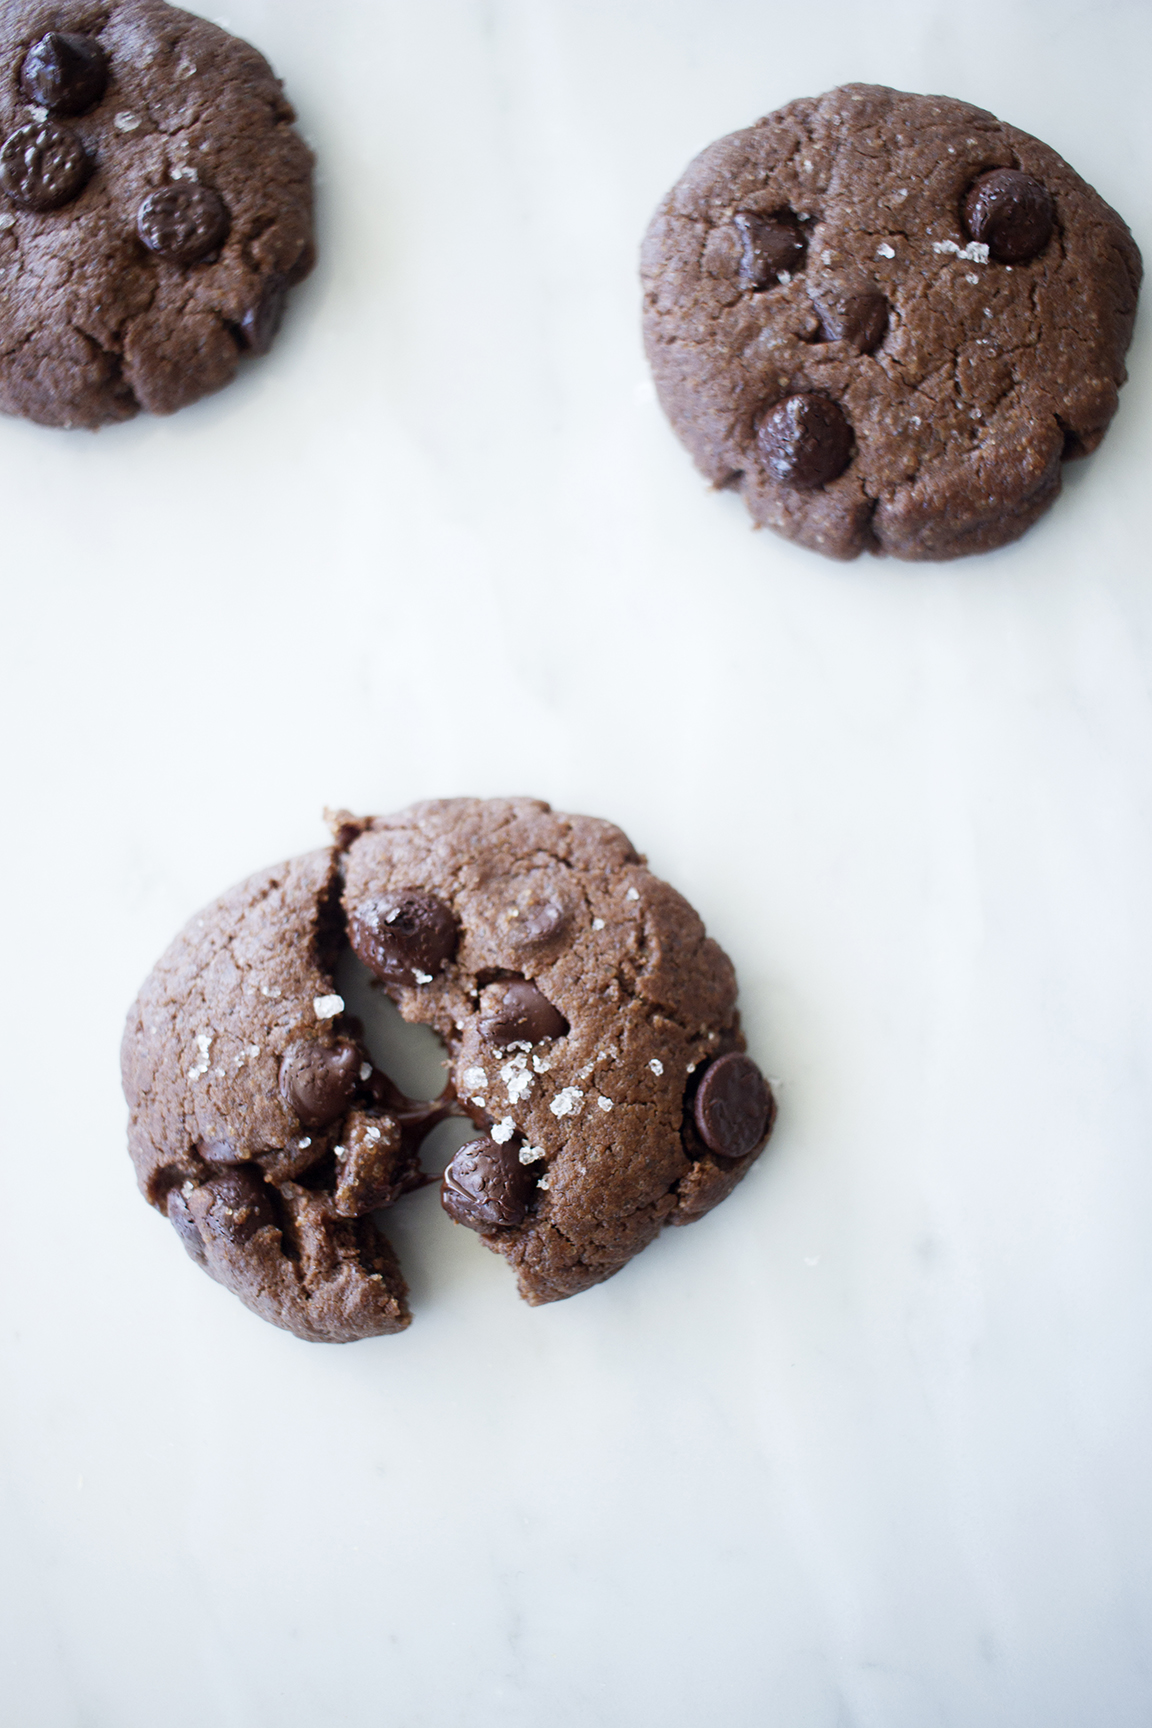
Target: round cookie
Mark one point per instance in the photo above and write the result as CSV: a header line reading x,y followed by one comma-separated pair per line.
x,y
591,1028
888,319
155,209
583,1007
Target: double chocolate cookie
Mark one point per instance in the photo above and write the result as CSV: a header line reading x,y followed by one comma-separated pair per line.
x,y
888,320
155,209
591,1029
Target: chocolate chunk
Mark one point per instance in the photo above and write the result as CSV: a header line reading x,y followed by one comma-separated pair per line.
x,y
319,1080
43,166
1012,213
65,74
183,223
186,1227
240,1206
261,323
217,1152
859,318
525,1016
806,441
374,1166
404,938
733,1106
486,1187
773,246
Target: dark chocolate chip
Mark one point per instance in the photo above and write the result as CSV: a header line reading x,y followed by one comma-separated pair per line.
x,y
532,926
773,246
1012,213
217,1152
240,1206
861,319
65,74
806,441
186,1227
525,1016
43,166
486,1187
401,935
319,1080
183,223
261,323
733,1106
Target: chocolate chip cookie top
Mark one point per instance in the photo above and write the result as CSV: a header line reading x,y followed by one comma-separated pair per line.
x,y
155,208
591,1029
888,319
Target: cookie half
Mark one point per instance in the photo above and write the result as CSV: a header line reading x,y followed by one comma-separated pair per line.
x,y
591,1028
155,209
888,320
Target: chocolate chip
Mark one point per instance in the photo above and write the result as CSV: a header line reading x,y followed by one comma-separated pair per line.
x,y
65,74
217,1152
773,246
186,1227
532,926
43,166
486,1187
183,223
859,318
261,323
240,1206
319,1080
806,441
401,935
734,1106
1012,213
524,1016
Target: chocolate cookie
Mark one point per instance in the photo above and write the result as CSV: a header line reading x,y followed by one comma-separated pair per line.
x,y
590,1024
155,209
888,320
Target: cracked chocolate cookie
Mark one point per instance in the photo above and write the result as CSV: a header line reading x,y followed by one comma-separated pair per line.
x,y
888,320
591,1031
155,209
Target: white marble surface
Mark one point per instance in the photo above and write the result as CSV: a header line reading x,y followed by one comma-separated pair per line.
x,y
869,1447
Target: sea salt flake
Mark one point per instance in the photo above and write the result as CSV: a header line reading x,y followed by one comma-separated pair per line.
x,y
126,122
976,251
656,1065
632,894
885,251
604,1103
597,923
567,1102
503,1131
327,1007
421,977
541,1065
530,1154
365,1070
7,220
372,1132
38,114
482,1102
475,1079
305,1142
544,1183
899,197
691,1069
969,277
783,277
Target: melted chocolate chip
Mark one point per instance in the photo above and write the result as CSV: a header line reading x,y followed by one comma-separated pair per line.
x,y
319,1080
486,1187
1012,213
240,1206
525,1016
183,223
43,166
261,323
773,246
186,1227
65,74
806,441
733,1107
401,935
859,318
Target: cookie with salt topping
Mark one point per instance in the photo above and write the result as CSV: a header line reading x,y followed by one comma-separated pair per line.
x,y
888,320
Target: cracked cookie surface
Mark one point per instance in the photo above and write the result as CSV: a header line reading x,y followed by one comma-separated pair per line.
x,y
591,1030
186,222
827,259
